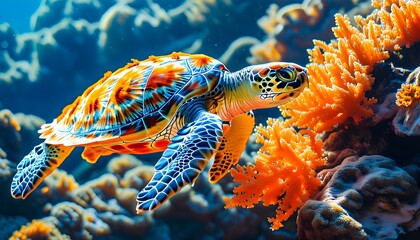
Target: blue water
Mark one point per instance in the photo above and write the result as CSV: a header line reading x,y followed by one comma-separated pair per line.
x,y
47,67
18,13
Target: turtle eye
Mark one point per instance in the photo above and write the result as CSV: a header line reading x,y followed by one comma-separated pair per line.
x,y
287,74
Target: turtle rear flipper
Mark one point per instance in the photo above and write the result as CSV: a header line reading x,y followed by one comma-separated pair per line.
x,y
36,166
183,160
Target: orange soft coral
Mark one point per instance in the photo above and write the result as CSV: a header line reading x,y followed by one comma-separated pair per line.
x,y
34,230
400,22
409,93
339,77
339,72
283,173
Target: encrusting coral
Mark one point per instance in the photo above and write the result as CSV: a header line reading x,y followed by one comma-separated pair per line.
x,y
78,222
119,165
283,173
409,94
366,197
407,120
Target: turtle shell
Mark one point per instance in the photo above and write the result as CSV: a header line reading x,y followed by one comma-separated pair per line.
x,y
135,102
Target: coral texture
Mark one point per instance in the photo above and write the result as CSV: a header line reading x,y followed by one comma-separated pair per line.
x,y
409,94
283,173
366,198
339,72
340,77
77,222
287,28
106,206
37,230
59,184
407,120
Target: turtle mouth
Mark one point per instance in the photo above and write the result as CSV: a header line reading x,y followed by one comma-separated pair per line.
x,y
269,95
282,97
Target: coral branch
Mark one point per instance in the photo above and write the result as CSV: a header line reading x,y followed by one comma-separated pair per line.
x,y
283,173
339,72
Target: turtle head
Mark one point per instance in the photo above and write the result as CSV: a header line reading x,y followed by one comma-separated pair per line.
x,y
262,86
275,83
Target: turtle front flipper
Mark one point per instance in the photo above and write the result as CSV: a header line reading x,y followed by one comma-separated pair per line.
x,y
232,145
183,160
36,166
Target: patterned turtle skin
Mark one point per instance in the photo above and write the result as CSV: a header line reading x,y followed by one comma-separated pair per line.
x,y
190,107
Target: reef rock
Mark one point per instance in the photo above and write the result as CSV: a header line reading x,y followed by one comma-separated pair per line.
x,y
366,198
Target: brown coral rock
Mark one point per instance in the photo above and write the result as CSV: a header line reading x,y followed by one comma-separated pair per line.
x,y
320,220
369,195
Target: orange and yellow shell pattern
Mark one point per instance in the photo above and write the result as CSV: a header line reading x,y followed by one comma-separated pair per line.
x,y
124,110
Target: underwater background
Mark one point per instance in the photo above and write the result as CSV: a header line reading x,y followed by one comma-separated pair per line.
x,y
339,162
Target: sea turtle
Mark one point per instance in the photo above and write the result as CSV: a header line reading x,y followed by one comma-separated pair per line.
x,y
188,106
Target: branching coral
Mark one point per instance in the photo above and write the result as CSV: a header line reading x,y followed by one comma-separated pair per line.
x,y
339,77
283,173
399,20
339,72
